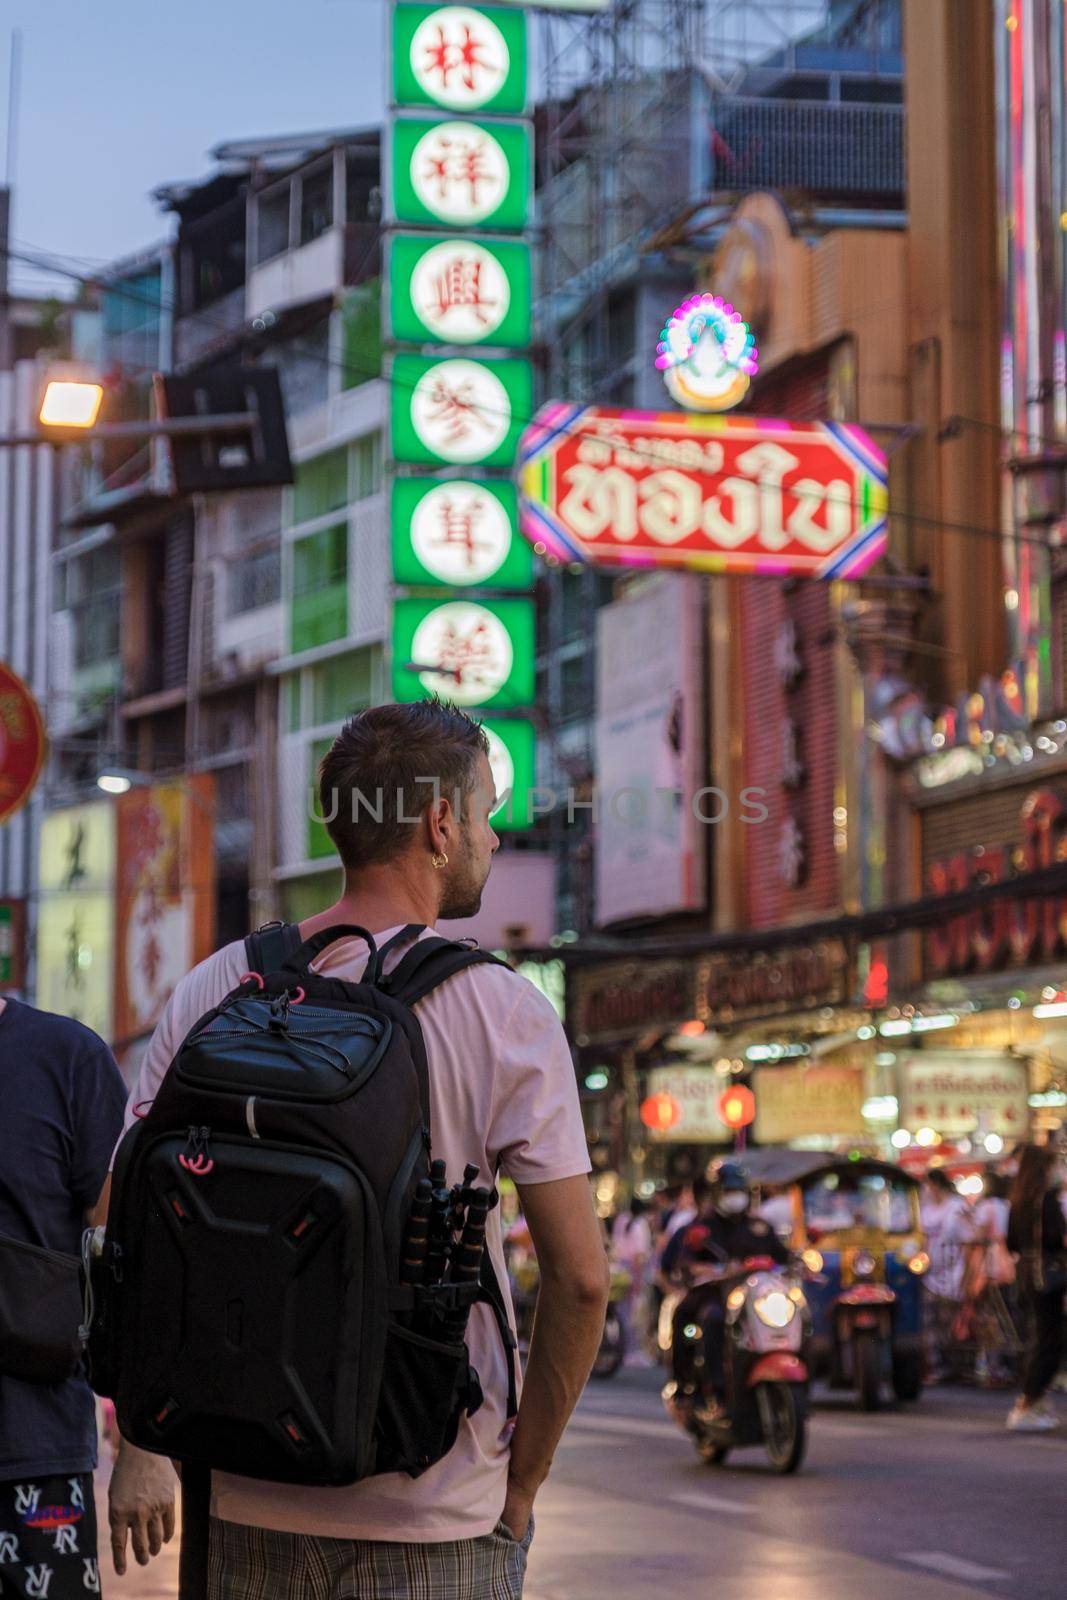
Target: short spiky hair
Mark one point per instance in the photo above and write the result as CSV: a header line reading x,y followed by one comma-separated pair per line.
x,y
381,771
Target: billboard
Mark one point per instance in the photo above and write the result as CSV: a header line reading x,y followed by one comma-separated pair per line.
x,y
458,532
963,1093
22,742
463,290
457,411
462,58
696,1091
476,653
76,915
799,1102
649,844
464,174
713,493
12,944
513,763
165,896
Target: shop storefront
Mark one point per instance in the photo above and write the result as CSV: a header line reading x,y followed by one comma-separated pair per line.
x,y
995,1069
779,1020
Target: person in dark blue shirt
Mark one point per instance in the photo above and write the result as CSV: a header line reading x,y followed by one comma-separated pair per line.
x,y
61,1107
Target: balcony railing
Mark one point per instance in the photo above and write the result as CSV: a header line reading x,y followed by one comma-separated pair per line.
x,y
816,146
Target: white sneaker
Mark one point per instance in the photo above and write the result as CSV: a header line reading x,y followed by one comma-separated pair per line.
x,y
1031,1420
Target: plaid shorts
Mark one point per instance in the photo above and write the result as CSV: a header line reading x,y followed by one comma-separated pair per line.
x,y
259,1564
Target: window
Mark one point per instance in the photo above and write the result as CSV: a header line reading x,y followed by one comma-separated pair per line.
x,y
132,303
363,195
303,897
367,466
303,365
341,686
272,224
335,689
292,701
319,842
96,630
361,335
254,580
316,203
92,591
321,486
320,588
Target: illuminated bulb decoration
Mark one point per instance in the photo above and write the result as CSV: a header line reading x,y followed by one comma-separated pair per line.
x,y
707,354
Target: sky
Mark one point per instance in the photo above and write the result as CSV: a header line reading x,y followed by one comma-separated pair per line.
x,y
118,97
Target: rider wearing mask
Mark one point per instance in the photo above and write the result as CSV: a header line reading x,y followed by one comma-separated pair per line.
x,y
727,1231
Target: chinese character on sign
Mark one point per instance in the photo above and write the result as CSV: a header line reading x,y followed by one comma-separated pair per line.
x,y
459,172
456,530
75,976
460,410
461,163
787,654
460,286
151,956
460,533
73,851
12,716
459,58
791,853
465,651
470,658
792,764
460,291
457,411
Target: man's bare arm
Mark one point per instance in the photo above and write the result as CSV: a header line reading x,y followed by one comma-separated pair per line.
x,y
141,1489
97,1217
568,1326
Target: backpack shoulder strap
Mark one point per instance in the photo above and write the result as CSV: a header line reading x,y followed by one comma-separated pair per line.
x,y
429,963
270,946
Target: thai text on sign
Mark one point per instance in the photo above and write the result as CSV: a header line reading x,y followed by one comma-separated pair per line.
x,y
719,494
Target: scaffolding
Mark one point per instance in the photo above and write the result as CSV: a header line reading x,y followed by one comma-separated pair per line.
x,y
629,100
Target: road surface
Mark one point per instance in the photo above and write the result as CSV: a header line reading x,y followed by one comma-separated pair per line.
x,y
931,1502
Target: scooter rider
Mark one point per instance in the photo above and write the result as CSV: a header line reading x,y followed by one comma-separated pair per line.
x,y
726,1231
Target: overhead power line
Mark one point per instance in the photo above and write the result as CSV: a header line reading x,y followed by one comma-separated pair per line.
x,y
369,374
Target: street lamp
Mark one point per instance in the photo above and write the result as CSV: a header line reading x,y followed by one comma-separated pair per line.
x,y
69,403
115,782
120,780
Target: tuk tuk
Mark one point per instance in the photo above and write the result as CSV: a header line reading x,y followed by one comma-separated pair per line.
x,y
856,1226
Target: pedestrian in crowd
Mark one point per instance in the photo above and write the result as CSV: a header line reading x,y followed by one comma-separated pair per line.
x,y
1037,1237
62,1111
989,1273
503,1094
681,1211
631,1248
776,1207
945,1223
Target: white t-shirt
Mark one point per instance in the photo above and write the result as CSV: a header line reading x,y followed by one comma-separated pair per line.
x,y
631,1239
503,1094
946,1225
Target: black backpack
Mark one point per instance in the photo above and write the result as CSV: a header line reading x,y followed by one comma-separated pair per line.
x,y
249,1313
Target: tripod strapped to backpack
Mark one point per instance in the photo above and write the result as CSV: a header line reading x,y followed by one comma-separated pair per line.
x,y
255,1306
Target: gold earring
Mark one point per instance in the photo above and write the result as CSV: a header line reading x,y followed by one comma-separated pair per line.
x,y
439,860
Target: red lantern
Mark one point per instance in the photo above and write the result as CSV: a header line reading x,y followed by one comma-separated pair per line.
x,y
737,1107
660,1112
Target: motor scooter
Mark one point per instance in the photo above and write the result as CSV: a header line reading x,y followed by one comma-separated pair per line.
x,y
765,1399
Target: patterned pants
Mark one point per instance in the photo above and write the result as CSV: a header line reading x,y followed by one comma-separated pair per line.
x,y
48,1539
258,1564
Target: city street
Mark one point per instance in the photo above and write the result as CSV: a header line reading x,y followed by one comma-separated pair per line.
x,y
936,1501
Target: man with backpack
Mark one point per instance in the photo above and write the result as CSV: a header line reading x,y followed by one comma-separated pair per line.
x,y
312,1067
